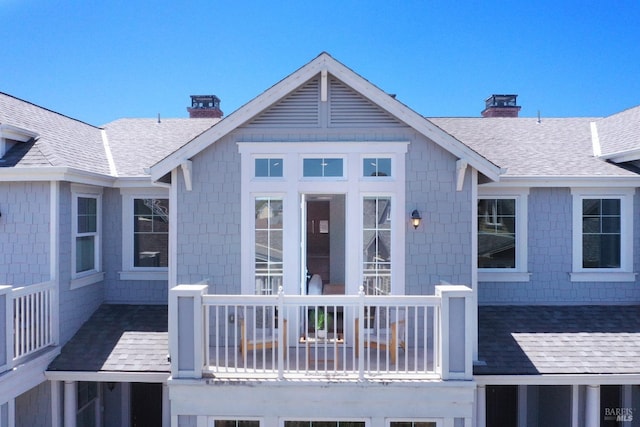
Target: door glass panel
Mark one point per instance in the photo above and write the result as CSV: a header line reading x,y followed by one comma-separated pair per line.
x,y
268,245
376,244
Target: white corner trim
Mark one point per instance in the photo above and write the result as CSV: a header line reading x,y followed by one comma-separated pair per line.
x,y
187,167
461,168
323,85
595,140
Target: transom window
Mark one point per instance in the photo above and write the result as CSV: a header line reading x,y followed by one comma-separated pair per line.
x,y
323,167
268,168
373,167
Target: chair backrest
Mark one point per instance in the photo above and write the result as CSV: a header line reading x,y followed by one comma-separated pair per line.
x,y
315,285
256,318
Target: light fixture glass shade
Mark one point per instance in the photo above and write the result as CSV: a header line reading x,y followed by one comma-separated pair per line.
x,y
415,218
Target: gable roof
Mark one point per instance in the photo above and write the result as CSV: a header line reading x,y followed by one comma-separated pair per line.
x,y
526,148
324,63
60,142
619,135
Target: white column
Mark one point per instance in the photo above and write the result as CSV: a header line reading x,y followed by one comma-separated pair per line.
x,y
70,403
592,406
56,404
166,409
481,406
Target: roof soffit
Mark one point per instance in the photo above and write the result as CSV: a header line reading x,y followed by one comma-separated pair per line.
x,y
324,62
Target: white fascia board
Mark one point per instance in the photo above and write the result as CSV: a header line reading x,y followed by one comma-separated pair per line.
x,y
558,379
134,182
16,133
565,181
107,376
55,174
622,156
325,62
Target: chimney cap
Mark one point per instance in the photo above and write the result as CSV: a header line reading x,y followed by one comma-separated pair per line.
x,y
501,106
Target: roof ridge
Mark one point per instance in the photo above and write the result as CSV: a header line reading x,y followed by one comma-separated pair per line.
x,y
49,110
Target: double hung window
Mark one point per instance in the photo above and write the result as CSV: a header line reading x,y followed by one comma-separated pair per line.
x,y
86,212
602,235
502,236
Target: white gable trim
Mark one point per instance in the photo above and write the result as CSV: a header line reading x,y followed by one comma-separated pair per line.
x,y
325,63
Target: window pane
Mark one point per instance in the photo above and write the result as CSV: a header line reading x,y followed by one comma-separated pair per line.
x,y
497,233
151,233
322,167
87,215
601,227
268,167
376,245
268,245
85,253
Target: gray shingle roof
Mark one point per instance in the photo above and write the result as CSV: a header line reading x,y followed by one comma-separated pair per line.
x,y
525,148
620,132
119,338
533,340
62,141
137,144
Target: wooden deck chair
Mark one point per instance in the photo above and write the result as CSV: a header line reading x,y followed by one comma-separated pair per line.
x,y
261,331
382,337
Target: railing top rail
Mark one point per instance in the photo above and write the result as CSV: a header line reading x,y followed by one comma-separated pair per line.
x,y
26,290
409,300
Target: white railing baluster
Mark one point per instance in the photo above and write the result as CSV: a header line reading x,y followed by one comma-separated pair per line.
x,y
32,327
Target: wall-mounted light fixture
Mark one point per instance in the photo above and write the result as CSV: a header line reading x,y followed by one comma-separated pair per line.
x,y
416,219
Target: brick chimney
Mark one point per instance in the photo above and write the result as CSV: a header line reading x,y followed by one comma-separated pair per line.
x,y
204,106
501,106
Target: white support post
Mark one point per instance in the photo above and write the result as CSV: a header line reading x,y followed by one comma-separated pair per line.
x,y
481,406
166,408
70,403
456,339
6,327
186,331
592,406
56,404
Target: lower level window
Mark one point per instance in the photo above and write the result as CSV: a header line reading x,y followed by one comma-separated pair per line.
x,y
324,424
237,423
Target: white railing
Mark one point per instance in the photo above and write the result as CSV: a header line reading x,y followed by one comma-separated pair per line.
x,y
278,336
33,326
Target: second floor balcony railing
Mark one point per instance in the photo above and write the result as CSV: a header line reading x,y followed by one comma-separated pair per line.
x,y
345,337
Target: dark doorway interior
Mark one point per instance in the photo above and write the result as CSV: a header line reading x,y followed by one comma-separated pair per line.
x,y
146,405
502,406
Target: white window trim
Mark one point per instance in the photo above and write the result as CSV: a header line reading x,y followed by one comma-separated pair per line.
x,y
625,272
95,275
519,273
129,272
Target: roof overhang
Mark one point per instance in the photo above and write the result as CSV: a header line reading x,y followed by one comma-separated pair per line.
x,y
325,63
622,156
565,181
15,133
55,173
558,379
108,376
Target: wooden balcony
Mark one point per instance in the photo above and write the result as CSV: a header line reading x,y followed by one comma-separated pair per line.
x,y
280,337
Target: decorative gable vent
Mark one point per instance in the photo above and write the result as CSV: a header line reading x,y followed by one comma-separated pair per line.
x,y
348,108
300,108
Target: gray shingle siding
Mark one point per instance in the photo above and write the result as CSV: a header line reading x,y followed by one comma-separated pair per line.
x,y
550,260
441,248
24,233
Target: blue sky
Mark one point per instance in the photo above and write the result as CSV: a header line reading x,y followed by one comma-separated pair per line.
x,y
101,60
